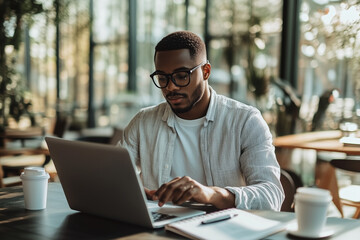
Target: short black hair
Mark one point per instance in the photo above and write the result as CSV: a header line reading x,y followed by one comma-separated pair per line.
x,y
182,40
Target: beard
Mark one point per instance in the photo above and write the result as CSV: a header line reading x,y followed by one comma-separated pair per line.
x,y
195,98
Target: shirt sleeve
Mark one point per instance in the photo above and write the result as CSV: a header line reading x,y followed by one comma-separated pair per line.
x,y
260,168
129,139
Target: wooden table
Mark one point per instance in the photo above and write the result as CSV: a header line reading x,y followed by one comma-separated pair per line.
x,y
11,134
28,134
328,141
319,141
58,221
15,147
20,133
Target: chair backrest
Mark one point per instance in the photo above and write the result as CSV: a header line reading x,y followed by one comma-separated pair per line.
x,y
8,181
325,177
348,164
61,125
290,189
1,177
351,164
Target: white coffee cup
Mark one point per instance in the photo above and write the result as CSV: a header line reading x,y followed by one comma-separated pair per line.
x,y
35,184
311,206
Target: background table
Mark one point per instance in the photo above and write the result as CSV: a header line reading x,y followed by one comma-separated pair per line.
x,y
11,134
58,221
33,136
319,141
22,142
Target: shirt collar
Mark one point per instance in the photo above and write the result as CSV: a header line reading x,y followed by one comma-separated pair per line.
x,y
210,115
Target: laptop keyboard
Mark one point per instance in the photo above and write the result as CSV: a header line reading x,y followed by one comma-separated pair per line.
x,y
161,216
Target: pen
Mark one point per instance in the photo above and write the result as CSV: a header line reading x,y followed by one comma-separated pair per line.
x,y
218,219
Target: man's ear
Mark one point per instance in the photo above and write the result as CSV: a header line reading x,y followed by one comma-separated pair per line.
x,y
206,71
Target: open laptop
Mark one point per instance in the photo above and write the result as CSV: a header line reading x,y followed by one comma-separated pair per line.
x,y
101,179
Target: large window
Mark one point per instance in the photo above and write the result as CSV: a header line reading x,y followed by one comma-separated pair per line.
x,y
155,20
41,61
244,46
111,42
74,53
243,39
329,59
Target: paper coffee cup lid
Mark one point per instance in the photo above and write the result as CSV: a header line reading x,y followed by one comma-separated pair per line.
x,y
313,191
313,194
34,172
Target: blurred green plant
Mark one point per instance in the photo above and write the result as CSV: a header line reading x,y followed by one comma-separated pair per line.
x,y
252,44
258,79
14,14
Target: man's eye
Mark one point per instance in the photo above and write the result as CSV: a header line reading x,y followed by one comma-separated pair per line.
x,y
181,76
162,78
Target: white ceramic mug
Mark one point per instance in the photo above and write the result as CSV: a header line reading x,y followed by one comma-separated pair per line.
x,y
311,206
35,184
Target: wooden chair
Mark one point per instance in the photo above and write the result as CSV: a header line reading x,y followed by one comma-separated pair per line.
x,y
290,182
17,159
8,181
325,177
349,195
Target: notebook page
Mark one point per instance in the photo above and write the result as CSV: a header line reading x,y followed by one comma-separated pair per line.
x,y
244,226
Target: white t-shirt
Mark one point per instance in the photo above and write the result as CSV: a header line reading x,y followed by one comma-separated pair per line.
x,y
187,159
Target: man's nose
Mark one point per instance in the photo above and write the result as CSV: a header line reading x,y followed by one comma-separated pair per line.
x,y
171,86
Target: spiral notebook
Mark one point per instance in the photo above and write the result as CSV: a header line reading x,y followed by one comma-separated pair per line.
x,y
227,224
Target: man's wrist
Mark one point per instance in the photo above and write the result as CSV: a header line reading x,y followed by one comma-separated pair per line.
x,y
222,198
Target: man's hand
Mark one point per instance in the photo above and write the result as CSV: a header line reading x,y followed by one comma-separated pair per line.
x,y
149,193
180,190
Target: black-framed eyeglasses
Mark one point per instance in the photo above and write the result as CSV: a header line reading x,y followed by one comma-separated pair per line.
x,y
180,78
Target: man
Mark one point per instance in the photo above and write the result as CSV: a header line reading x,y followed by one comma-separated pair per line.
x,y
198,145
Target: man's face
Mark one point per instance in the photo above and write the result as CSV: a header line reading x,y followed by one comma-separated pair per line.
x,y
183,100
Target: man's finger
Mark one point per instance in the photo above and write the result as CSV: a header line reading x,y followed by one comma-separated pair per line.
x,y
149,193
172,191
180,192
164,186
187,195
166,192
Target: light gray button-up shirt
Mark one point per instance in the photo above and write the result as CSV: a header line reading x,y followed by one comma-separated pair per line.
x,y
236,147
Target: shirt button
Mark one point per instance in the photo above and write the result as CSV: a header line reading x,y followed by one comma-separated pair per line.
x,y
166,166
